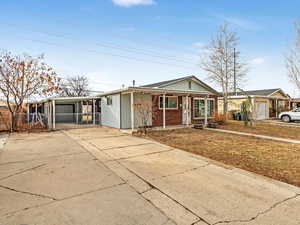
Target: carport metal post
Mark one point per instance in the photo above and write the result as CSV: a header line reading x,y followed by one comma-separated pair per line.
x,y
132,111
94,121
164,111
205,111
53,114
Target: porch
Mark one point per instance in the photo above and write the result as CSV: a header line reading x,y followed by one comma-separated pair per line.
x,y
166,108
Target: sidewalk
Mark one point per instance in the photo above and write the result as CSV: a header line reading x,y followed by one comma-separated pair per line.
x,y
256,135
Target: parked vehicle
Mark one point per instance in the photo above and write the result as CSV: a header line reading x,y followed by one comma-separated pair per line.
x,y
290,115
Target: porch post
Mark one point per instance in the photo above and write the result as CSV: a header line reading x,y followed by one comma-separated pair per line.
x,y
187,109
36,112
164,111
28,113
276,108
205,111
53,114
132,111
94,112
77,111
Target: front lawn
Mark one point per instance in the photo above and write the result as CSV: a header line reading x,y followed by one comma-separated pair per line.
x,y
263,128
277,160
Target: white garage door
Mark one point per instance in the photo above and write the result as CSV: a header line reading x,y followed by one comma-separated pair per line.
x,y
261,110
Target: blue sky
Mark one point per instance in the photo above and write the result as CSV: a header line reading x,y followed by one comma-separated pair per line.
x,y
116,41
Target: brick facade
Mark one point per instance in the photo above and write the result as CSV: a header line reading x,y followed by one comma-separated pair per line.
x,y
174,116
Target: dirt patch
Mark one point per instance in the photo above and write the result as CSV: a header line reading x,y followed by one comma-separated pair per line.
x,y
264,129
274,159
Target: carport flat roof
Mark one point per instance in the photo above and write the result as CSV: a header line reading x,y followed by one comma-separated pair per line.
x,y
66,99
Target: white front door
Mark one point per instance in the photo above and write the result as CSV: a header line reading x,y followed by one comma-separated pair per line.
x,y
186,110
261,110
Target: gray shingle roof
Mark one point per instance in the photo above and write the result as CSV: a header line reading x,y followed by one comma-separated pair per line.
x,y
164,83
262,92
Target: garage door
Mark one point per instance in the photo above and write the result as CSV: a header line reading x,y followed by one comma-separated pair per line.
x,y
261,110
64,113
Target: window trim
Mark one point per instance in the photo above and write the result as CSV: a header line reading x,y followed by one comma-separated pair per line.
x,y
202,117
167,107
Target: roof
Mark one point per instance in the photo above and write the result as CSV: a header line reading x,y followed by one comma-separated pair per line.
x,y
154,90
262,92
167,82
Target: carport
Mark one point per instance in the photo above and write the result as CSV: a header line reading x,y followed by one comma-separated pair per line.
x,y
66,112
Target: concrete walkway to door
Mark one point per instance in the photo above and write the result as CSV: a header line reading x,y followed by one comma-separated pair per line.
x,y
190,189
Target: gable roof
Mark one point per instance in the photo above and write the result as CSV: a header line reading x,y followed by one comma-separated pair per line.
x,y
262,92
168,82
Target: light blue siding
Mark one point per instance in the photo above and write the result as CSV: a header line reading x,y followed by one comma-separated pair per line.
x,y
126,110
110,114
184,85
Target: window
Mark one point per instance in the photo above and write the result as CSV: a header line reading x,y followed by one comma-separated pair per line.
x,y
190,85
171,102
108,100
199,107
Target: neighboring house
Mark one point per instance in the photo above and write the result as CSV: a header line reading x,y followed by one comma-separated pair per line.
x,y
295,103
4,116
267,103
181,101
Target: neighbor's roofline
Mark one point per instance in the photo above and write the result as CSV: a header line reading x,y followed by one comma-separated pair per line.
x,y
254,96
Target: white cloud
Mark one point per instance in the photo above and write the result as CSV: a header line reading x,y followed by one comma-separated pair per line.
x,y
129,3
199,44
257,61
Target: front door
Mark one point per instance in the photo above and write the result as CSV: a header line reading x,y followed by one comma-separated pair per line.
x,y
186,110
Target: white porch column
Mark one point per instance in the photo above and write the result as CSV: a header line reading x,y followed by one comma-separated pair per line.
x,y
276,107
164,111
28,113
132,110
53,114
94,119
187,110
205,111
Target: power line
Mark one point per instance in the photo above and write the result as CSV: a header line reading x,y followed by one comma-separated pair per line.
x,y
106,44
105,53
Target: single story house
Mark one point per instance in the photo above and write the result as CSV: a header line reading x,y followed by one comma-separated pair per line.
x,y
181,101
267,103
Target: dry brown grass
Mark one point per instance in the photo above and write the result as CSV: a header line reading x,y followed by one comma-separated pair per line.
x,y
264,129
277,160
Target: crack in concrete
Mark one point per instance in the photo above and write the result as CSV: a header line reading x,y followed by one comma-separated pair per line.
x,y
26,192
23,171
151,153
154,187
63,199
116,148
180,173
42,158
259,213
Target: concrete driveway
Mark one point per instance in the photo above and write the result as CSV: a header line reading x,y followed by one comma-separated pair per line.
x,y
102,176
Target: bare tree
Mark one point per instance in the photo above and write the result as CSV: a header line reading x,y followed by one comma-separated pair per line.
x,y
222,62
293,61
22,78
143,111
76,86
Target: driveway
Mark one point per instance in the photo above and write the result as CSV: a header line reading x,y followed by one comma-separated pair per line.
x,y
103,176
